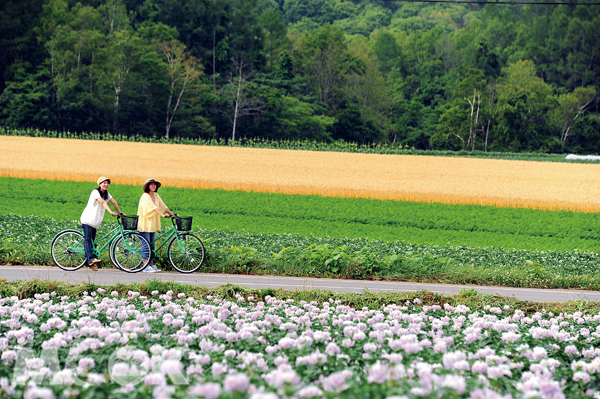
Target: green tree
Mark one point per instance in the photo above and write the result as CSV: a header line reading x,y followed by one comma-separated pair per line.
x,y
125,50
77,50
246,35
368,89
320,11
325,62
27,100
183,70
18,45
570,108
275,32
350,125
298,120
453,129
523,103
387,50
238,98
370,18
472,91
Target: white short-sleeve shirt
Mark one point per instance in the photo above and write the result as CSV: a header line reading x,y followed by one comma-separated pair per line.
x,y
94,211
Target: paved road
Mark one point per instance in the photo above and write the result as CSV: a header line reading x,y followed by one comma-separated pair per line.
x,y
112,276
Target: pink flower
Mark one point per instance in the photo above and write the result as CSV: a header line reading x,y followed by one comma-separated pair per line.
x,y
369,347
486,393
332,349
412,347
479,367
177,323
581,376
173,368
155,379
282,375
572,350
510,337
38,393
378,372
450,358
218,368
209,390
309,392
455,382
336,382
287,343
93,378
236,382
9,356
495,372
231,336
539,353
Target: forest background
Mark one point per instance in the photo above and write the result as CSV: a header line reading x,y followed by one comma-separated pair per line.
x,y
425,75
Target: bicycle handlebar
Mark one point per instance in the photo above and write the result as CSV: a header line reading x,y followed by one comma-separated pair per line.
x,y
173,217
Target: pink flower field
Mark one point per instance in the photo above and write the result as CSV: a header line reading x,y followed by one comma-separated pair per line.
x,y
165,346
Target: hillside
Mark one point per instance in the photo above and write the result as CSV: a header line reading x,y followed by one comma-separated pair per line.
x,y
425,75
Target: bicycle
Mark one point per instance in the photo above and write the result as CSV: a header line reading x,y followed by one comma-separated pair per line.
x,y
125,246
185,251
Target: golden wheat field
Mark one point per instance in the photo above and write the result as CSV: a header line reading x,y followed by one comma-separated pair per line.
x,y
539,185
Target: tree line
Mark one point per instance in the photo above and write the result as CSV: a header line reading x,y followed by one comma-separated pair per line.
x,y
429,76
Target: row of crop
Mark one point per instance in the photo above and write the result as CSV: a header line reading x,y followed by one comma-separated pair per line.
x,y
307,145
26,240
419,223
139,342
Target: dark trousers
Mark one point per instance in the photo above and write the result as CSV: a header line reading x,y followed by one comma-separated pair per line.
x,y
148,253
89,235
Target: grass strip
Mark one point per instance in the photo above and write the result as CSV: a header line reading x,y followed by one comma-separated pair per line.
x,y
24,289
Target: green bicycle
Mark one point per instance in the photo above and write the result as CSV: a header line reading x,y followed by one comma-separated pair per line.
x,y
125,246
184,250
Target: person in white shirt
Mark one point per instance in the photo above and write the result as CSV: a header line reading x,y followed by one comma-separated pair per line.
x,y
92,216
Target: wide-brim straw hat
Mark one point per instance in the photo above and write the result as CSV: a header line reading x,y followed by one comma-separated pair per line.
x,y
101,179
151,181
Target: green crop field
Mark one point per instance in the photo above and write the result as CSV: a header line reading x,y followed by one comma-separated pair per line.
x,y
417,223
331,237
26,240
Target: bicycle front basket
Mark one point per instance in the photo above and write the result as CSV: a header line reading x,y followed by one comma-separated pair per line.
x,y
184,224
129,222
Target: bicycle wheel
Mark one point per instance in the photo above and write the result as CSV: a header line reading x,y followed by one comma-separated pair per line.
x,y
111,252
186,253
126,252
67,250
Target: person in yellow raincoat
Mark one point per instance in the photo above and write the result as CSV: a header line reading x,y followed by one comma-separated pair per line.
x,y
150,210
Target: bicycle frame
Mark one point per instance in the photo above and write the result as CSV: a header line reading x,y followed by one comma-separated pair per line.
x,y
170,233
113,234
185,251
